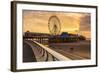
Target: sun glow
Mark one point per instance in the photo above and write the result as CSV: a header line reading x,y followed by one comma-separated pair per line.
x,y
37,21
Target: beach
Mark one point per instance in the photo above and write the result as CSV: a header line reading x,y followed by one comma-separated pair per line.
x,y
74,50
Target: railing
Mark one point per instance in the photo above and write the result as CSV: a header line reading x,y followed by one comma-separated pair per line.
x,y
40,39
44,53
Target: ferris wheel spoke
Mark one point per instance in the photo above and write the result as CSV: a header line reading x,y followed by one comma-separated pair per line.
x,y
54,25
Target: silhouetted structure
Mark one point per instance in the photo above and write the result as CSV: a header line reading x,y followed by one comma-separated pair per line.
x,y
66,37
39,37
47,38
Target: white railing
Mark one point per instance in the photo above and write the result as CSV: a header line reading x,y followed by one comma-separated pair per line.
x,y
44,53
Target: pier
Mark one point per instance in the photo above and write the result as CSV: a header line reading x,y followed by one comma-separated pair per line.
x,y
40,47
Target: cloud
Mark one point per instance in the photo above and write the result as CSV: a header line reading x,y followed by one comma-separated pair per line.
x,y
37,21
85,23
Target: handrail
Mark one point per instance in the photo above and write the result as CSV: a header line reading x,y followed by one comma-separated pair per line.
x,y
54,53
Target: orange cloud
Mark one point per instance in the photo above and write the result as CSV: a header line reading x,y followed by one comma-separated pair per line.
x,y
37,21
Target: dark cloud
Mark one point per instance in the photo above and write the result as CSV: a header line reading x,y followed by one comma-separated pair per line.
x,y
85,23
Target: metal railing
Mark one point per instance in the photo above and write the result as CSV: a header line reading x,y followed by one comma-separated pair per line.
x,y
44,53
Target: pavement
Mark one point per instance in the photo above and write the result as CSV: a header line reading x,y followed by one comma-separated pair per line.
x,y
28,54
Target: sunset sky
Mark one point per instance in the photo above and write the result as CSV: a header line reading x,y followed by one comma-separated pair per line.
x,y
37,21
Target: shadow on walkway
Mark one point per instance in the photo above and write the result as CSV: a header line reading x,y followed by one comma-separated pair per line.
x,y
28,54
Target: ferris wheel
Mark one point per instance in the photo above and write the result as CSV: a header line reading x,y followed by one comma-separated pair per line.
x,y
54,25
